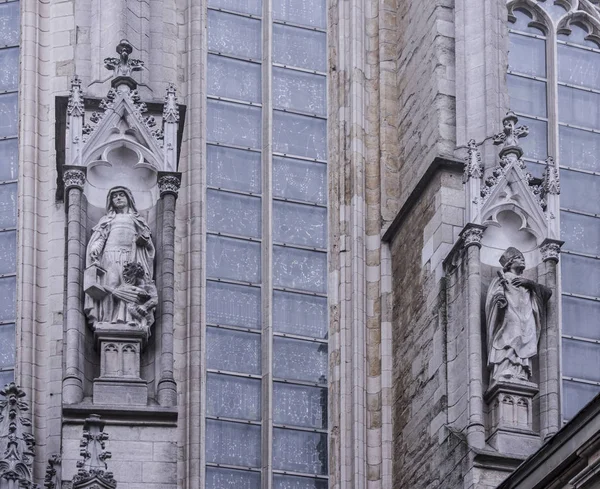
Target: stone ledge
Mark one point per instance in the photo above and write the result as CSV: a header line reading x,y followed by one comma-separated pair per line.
x,y
153,415
489,459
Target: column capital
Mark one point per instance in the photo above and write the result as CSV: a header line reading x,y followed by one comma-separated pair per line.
x,y
169,183
550,249
472,234
74,177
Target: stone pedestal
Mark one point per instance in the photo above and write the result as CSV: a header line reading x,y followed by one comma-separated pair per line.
x,y
120,349
511,417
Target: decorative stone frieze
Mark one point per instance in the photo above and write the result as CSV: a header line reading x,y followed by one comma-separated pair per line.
x,y
93,470
16,442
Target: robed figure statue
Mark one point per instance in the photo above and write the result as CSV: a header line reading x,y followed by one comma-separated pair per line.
x,y
514,310
121,248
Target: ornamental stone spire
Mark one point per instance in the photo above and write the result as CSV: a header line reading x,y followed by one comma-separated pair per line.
x,y
92,467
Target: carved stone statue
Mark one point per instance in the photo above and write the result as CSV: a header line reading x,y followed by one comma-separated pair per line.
x,y
120,257
514,309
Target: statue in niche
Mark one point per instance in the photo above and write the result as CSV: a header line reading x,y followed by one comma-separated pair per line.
x,y
120,256
514,309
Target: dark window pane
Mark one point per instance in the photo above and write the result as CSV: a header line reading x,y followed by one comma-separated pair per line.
x,y
233,351
7,377
578,66
244,6
306,12
235,124
291,482
576,189
299,269
232,78
299,135
578,107
579,149
301,48
8,114
8,205
233,397
581,317
7,345
581,360
535,144
9,69
9,159
299,180
8,252
527,55
9,23
300,405
299,360
233,34
232,443
299,451
232,259
300,314
576,396
232,305
299,224
8,294
218,478
300,91
580,233
580,275
233,169
233,213
527,96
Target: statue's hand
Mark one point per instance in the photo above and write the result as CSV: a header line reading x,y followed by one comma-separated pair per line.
x,y
501,301
522,282
142,240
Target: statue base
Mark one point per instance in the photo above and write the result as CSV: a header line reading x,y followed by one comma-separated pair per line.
x,y
511,417
120,348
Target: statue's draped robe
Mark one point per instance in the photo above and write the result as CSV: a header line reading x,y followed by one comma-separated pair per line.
x,y
513,331
114,241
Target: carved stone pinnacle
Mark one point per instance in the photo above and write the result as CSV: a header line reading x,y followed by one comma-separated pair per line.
x,y
473,167
74,178
551,182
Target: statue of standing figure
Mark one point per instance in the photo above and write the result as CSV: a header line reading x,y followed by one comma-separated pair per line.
x,y
121,247
514,309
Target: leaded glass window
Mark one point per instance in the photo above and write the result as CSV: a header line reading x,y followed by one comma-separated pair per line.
x,y
554,86
9,84
266,355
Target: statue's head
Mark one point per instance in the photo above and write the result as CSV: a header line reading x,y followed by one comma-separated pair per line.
x,y
512,257
133,272
120,199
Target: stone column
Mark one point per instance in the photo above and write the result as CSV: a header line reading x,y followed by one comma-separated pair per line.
x,y
168,184
471,236
74,179
550,420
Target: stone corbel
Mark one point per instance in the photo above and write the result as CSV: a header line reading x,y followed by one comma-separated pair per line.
x,y
168,184
74,180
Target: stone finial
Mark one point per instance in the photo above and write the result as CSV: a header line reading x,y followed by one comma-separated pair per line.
x,y
92,467
16,442
510,135
473,167
169,183
551,181
52,479
123,65
75,106
171,109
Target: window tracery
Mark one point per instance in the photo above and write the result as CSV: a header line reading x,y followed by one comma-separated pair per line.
x,y
553,82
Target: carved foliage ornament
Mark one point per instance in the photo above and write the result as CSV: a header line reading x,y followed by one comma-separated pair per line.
x,y
16,442
473,167
169,184
550,250
74,178
472,235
